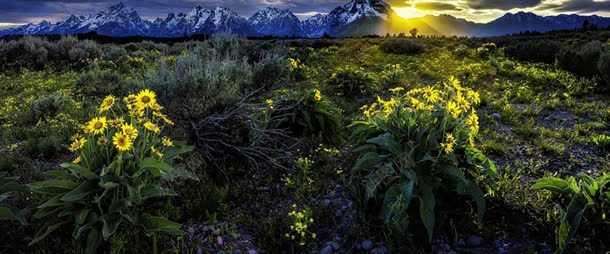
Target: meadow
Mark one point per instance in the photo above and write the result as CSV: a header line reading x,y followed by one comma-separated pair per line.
x,y
354,145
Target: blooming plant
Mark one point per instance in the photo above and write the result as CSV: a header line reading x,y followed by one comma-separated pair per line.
x,y
300,223
122,160
420,145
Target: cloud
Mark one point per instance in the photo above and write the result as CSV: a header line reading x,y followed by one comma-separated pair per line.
x,y
584,6
502,4
435,6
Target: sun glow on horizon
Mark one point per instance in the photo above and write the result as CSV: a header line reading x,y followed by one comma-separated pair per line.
x,y
409,12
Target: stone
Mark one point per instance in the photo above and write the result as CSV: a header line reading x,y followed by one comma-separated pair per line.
x,y
217,231
335,246
326,250
327,202
474,241
496,116
367,245
219,240
252,252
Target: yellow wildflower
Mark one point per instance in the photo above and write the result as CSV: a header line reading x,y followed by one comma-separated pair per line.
x,y
77,144
317,95
116,122
432,95
130,131
107,103
473,122
474,97
77,160
167,142
102,140
156,152
453,109
146,99
269,103
449,144
122,142
397,89
97,125
152,127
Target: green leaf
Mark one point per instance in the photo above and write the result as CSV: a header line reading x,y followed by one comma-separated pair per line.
x,y
46,230
78,193
12,213
472,189
152,191
93,241
53,186
154,166
80,170
386,142
553,184
570,221
154,224
82,217
427,205
110,223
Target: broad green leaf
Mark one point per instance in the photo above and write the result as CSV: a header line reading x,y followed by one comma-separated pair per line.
x,y
53,186
553,184
81,218
386,142
110,223
78,193
570,221
47,229
427,205
93,241
12,213
472,189
156,191
80,170
154,224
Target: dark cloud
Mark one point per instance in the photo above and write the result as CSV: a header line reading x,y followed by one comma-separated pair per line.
x,y
435,6
502,4
584,6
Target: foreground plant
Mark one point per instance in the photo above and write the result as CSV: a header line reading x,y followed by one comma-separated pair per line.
x,y
9,212
589,202
122,161
420,145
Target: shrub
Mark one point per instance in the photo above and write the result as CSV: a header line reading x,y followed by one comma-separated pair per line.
x,y
196,82
604,67
351,82
543,51
272,70
29,52
122,162
487,49
419,145
305,113
393,74
401,46
97,82
580,60
589,203
9,212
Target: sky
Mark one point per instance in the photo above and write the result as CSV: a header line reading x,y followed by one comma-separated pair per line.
x,y
18,12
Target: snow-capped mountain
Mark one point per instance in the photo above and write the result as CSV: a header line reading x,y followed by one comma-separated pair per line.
x,y
358,17
362,12
273,21
201,21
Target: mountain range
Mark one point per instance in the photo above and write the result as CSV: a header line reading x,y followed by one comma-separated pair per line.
x,y
356,18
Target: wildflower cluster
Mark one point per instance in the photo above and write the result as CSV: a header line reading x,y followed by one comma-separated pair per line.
x,y
415,142
121,158
294,64
300,222
457,104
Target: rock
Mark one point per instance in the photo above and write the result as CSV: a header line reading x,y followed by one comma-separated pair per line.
x,y
219,240
220,252
474,241
246,237
339,213
327,202
367,244
326,250
191,230
380,250
217,231
252,252
237,252
199,251
496,116
335,246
